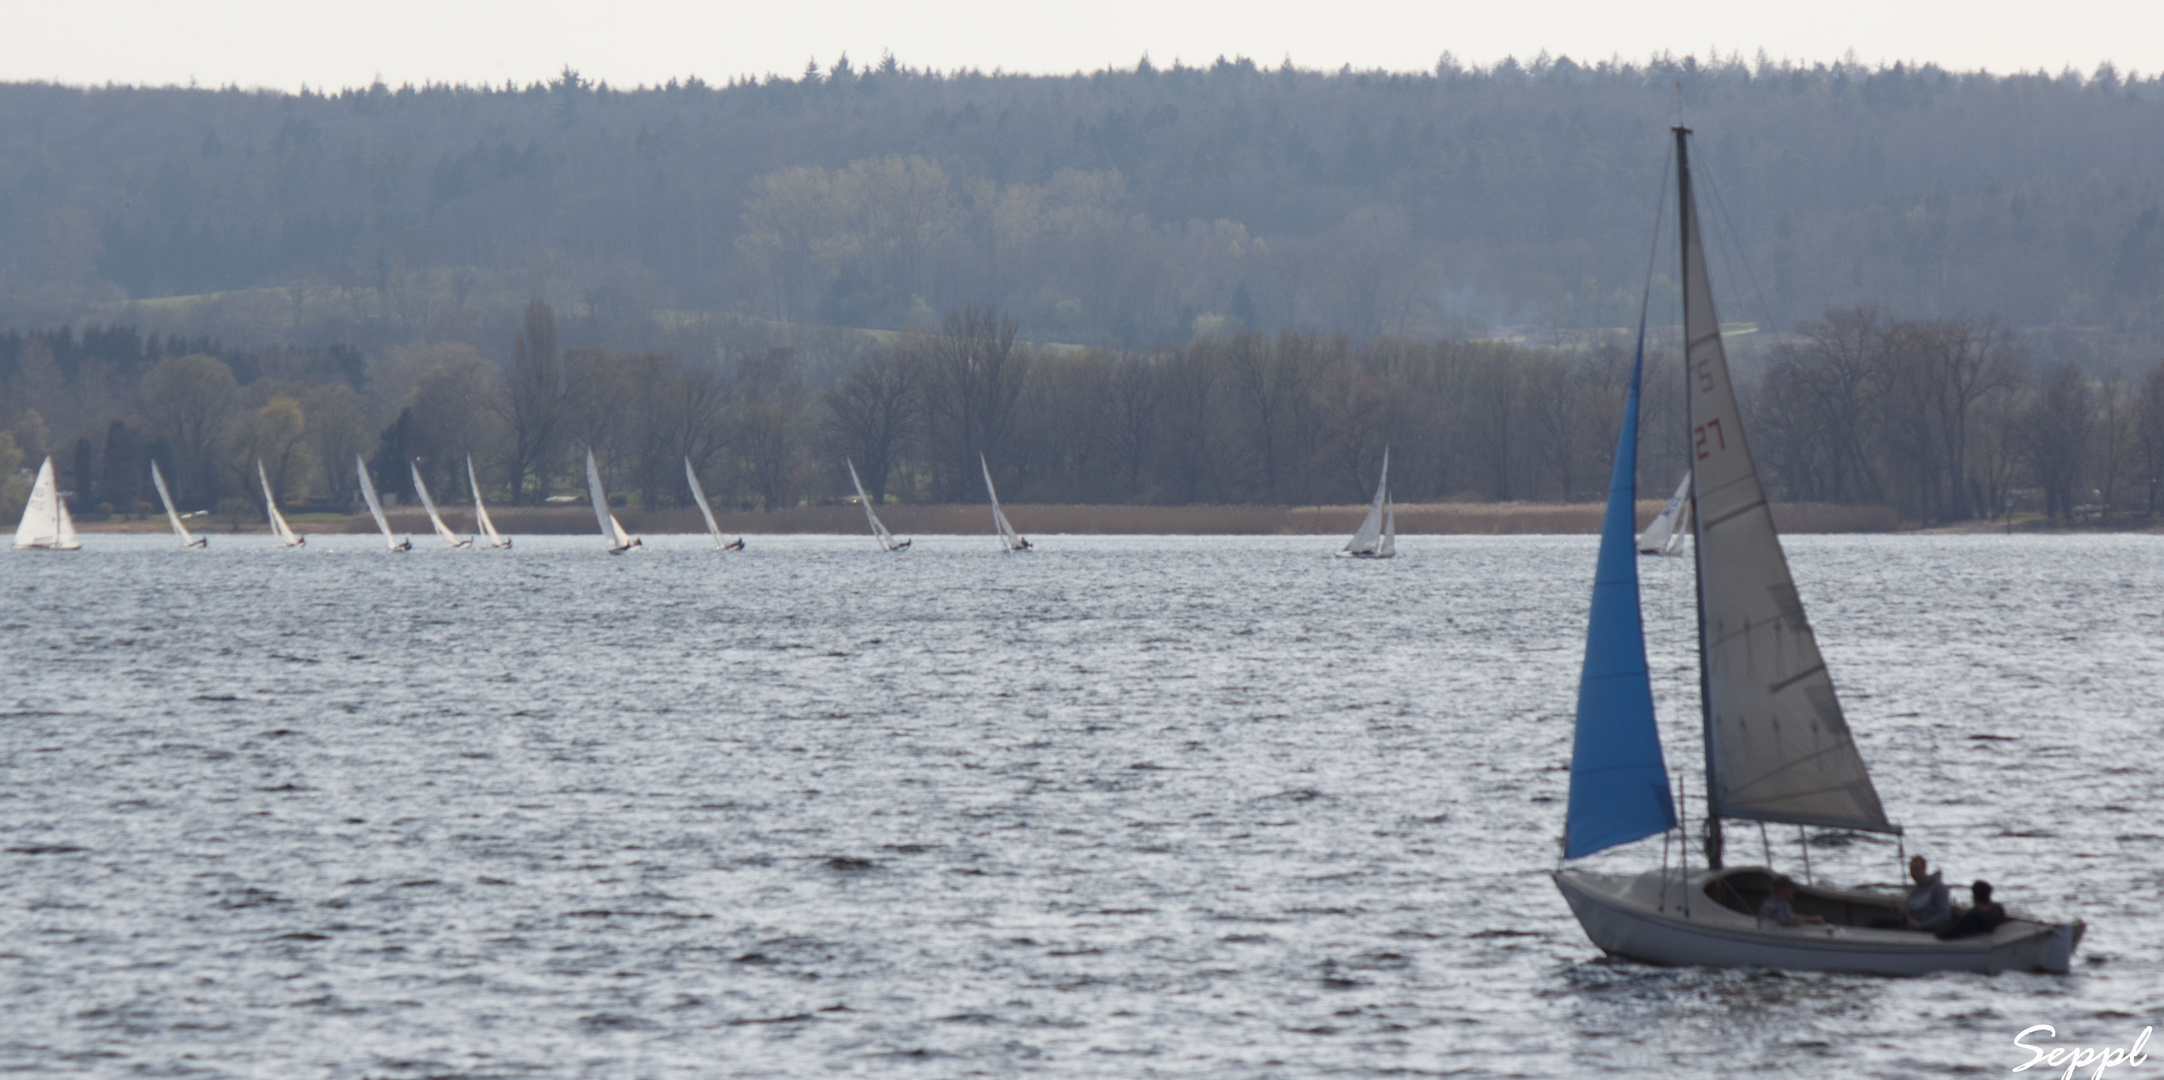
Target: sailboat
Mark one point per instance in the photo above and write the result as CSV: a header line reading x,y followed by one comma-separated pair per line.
x,y
480,513
443,532
1377,536
887,542
699,493
375,506
284,532
187,539
1009,540
1664,534
619,540
46,525
1777,747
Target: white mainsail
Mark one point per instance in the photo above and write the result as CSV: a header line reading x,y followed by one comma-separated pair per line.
x,y
887,542
1009,540
698,493
284,532
46,522
619,540
375,506
187,539
1663,535
480,513
1377,536
1777,746
443,532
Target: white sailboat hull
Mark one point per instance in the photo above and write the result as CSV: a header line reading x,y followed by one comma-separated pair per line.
x,y
1642,917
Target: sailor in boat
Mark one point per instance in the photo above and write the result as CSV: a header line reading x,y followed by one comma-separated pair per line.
x,y
1021,543
737,545
1779,907
1930,906
1982,918
404,545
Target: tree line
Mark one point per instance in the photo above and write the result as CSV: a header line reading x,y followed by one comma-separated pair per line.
x,y
1942,419
1130,208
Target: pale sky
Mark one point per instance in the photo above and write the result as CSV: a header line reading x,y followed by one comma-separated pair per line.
x,y
340,43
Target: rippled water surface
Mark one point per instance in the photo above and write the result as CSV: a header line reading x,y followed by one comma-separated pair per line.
x,y
1123,807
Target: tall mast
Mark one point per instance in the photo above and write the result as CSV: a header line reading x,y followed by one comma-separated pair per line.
x,y
1686,224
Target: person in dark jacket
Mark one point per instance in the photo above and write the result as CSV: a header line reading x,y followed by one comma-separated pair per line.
x,y
1982,917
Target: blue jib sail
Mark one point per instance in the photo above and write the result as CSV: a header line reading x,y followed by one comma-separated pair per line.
x,y
1618,783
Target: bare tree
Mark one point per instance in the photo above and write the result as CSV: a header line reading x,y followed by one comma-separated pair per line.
x,y
532,405
975,374
871,411
192,403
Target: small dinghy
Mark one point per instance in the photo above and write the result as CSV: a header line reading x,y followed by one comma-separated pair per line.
x,y
1377,537
1777,746
443,532
1009,540
887,542
619,540
180,530
713,529
1664,534
375,507
46,525
481,523
284,532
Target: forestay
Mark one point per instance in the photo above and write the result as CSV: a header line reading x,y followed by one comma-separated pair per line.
x,y
1777,746
1618,782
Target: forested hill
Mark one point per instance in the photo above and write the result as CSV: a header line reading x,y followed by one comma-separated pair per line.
x,y
1130,207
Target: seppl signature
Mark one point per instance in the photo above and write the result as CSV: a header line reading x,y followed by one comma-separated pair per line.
x,y
2076,1058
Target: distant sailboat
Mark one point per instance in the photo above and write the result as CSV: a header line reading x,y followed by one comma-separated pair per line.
x,y
1009,540
47,525
1377,537
887,542
375,506
284,532
1778,749
443,532
187,539
1664,535
619,540
721,543
480,512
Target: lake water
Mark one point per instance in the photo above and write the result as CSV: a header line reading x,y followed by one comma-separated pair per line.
x,y
1169,807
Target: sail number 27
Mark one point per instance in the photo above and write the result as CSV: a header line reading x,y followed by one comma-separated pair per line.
x,y
1720,441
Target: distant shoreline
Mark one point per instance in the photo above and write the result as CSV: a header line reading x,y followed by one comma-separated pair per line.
x,y
1422,519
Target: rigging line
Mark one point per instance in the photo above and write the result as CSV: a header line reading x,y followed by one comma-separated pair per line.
x,y
1735,243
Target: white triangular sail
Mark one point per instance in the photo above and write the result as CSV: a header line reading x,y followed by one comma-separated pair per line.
x,y
284,532
1009,540
375,507
46,522
172,514
1777,746
887,542
1664,534
713,528
481,522
619,540
1368,540
443,532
